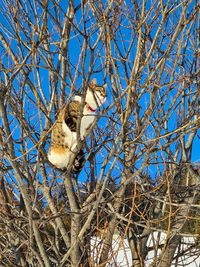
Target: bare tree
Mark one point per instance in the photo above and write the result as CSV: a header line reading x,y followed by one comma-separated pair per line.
x,y
139,177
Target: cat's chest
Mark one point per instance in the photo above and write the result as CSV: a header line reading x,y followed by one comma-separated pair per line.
x,y
86,121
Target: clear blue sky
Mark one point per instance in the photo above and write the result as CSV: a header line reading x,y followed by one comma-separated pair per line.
x,y
75,46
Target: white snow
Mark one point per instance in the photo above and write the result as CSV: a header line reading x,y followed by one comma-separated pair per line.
x,y
120,254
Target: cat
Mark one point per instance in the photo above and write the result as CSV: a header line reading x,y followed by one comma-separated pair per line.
x,y
64,134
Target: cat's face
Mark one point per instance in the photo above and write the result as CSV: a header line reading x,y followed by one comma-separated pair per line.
x,y
96,94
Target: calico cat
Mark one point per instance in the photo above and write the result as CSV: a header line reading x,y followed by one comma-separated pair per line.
x,y
64,135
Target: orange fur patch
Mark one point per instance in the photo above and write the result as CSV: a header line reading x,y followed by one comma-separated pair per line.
x,y
59,149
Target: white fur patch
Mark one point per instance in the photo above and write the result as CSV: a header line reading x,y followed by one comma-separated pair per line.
x,y
95,100
77,98
60,160
86,122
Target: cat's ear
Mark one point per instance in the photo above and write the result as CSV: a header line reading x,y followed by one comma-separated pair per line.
x,y
93,83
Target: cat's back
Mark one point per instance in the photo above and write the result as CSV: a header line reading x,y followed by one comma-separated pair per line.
x,y
71,115
73,108
57,135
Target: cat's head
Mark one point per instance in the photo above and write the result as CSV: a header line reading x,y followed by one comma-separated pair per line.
x,y
96,94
